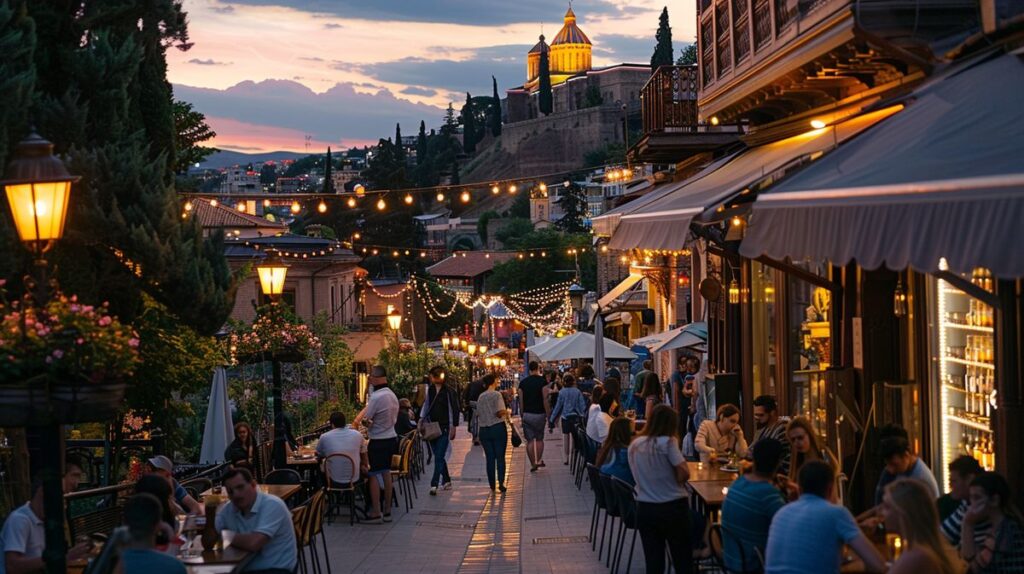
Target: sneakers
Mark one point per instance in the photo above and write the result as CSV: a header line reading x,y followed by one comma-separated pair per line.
x,y
387,518
447,485
541,463
433,491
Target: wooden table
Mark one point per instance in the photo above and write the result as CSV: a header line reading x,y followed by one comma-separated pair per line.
x,y
303,457
704,472
229,558
282,491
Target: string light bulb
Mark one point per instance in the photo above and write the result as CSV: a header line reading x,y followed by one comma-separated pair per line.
x,y
381,204
360,189
465,197
440,197
322,207
351,202
737,221
296,207
188,205
240,206
543,187
495,189
512,188
408,199
266,203
213,203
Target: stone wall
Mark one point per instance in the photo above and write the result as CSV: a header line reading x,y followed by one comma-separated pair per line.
x,y
560,141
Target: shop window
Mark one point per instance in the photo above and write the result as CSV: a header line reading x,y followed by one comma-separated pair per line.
x,y
764,325
809,312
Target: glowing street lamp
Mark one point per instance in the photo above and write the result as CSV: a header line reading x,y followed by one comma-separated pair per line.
x,y
395,320
38,187
272,272
446,341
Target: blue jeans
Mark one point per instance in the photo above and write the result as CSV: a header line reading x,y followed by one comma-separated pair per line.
x,y
495,441
440,447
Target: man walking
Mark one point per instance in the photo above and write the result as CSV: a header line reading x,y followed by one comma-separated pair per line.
x,y
442,407
531,389
380,414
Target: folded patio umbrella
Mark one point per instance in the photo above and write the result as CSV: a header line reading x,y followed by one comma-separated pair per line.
x,y
219,432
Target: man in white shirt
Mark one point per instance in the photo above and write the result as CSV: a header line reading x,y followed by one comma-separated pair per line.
x,y
347,441
23,537
380,414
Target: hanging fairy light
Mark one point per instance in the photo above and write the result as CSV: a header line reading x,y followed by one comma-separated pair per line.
x,y
543,187
381,204
188,205
296,207
213,203
465,197
322,207
357,236
359,189
408,199
440,197
240,206
351,202
512,188
266,203
495,189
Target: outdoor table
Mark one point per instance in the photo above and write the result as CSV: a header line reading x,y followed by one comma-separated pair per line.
x,y
229,558
282,491
708,496
706,471
304,456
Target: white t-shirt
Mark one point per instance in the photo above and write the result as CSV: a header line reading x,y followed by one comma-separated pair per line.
x,y
382,409
597,425
23,532
342,441
654,462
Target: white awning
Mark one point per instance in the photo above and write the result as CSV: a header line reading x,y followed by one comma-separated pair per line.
x,y
625,285
665,223
943,179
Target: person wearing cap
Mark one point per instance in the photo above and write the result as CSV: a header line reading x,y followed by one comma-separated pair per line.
x,y
380,415
163,466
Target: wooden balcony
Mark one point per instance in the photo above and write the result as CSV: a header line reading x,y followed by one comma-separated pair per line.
x,y
762,61
672,130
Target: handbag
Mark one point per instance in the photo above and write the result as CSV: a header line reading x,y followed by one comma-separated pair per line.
x,y
430,430
517,441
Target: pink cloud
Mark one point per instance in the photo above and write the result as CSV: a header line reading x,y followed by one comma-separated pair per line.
x,y
249,137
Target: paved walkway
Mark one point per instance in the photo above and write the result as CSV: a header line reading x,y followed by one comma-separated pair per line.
x,y
539,525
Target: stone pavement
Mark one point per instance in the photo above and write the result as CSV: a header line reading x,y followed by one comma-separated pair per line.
x,y
539,525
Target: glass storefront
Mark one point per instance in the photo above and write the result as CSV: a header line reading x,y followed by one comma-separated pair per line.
x,y
808,311
764,328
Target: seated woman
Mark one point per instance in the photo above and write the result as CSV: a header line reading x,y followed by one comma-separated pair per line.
x,y
805,445
159,487
909,511
613,458
720,436
597,424
242,451
1003,548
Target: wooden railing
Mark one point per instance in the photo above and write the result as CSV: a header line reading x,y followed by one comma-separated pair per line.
x,y
670,100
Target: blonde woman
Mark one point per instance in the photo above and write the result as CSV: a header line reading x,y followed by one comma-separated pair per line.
x,y
805,445
909,510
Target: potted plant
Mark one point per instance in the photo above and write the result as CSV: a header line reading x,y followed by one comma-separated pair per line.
x,y
63,362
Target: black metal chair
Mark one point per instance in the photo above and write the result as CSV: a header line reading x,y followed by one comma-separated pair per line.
x,y
612,511
599,502
282,476
626,499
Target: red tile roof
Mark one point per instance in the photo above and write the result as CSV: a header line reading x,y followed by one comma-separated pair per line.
x,y
468,264
221,216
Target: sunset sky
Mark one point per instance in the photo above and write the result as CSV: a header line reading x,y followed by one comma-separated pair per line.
x,y
268,73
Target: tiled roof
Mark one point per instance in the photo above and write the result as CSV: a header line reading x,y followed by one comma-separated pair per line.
x,y
570,32
221,216
468,264
540,46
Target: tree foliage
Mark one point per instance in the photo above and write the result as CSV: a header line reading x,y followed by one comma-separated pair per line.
x,y
574,207
592,97
663,50
518,275
545,100
190,130
688,56
495,110
468,126
328,186
421,143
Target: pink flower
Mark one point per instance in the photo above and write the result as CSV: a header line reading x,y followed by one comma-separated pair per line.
x,y
57,354
133,342
105,320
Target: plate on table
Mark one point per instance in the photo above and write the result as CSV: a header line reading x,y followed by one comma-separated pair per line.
x,y
727,468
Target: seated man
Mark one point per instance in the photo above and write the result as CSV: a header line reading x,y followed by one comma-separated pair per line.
x,y
163,466
748,509
962,471
808,535
23,537
261,522
343,440
142,516
899,463
768,424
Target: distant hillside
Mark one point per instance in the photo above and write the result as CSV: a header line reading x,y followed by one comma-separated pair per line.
x,y
227,158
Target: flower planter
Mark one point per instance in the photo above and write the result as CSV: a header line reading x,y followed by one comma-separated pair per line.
x,y
282,356
33,404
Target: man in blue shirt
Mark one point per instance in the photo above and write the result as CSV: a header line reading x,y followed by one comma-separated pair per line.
x,y
261,522
749,507
142,517
900,462
808,535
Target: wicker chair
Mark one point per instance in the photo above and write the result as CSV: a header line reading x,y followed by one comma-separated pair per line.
x,y
401,475
339,486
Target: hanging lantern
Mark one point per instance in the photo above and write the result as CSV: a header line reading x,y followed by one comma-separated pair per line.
x,y
899,300
512,188
272,272
769,292
188,205
213,203
266,203
734,292
240,206
684,280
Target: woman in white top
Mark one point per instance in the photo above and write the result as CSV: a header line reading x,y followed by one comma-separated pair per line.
x,y
594,409
722,435
663,514
491,414
597,425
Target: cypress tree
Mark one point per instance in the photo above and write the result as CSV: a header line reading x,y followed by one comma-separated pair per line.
x,y
495,110
328,176
468,126
663,53
450,125
400,150
421,143
544,99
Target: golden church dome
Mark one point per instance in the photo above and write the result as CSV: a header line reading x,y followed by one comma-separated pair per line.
x,y
570,32
540,47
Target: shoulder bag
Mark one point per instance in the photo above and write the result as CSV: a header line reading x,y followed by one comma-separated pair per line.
x,y
430,429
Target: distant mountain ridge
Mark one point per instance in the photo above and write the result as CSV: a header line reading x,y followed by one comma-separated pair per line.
x,y
227,158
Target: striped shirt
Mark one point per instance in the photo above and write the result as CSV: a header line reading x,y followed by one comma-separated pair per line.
x,y
954,523
776,431
746,515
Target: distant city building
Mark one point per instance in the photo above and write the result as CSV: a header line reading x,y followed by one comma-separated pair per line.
x,y
341,177
240,180
288,184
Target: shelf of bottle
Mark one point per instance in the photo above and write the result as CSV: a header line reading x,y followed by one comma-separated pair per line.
x,y
969,363
982,426
975,328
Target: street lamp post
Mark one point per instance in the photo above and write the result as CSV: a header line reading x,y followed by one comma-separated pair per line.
x,y
38,188
576,293
272,272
